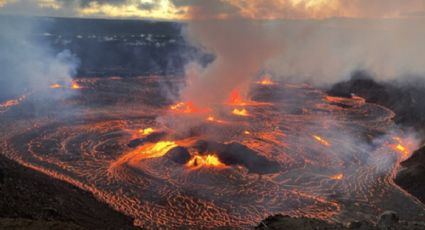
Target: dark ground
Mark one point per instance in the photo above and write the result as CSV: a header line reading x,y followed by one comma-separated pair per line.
x,y
32,200
387,221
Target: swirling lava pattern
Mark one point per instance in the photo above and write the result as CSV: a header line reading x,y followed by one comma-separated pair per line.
x,y
335,160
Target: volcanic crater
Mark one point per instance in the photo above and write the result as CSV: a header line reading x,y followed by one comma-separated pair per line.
x,y
286,149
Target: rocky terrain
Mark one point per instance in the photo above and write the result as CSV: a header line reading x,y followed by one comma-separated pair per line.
x,y
387,221
412,175
31,200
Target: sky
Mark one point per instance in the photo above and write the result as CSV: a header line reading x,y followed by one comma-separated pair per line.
x,y
216,9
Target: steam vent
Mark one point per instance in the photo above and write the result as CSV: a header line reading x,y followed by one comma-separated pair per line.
x,y
230,114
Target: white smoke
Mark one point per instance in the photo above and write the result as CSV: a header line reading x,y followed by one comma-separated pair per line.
x,y
27,62
328,51
249,37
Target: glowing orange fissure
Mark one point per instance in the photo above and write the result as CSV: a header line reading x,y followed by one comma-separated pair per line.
x,y
321,140
240,112
339,176
209,160
235,98
161,148
187,107
146,131
400,147
158,149
55,86
74,85
211,118
265,81
10,103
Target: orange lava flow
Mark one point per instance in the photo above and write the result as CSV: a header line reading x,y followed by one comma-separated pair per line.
x,y
401,148
186,107
240,112
158,149
10,103
147,151
321,140
210,161
211,118
339,176
55,86
75,85
146,131
355,100
265,82
235,98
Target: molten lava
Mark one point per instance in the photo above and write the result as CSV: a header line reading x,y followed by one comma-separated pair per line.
x,y
146,131
75,85
187,107
401,148
353,101
321,140
55,86
265,81
240,112
339,176
210,161
158,149
235,98
11,103
273,162
211,118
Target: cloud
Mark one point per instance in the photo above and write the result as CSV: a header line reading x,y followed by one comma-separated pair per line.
x,y
208,9
299,9
161,9
28,64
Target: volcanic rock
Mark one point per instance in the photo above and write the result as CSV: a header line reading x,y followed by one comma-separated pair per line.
x,y
152,138
19,223
1,176
208,146
406,99
179,154
286,222
32,200
136,142
237,154
412,175
388,219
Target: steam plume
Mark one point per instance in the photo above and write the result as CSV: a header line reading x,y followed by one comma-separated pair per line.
x,y
320,52
240,47
27,63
